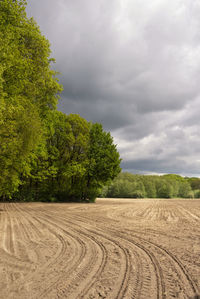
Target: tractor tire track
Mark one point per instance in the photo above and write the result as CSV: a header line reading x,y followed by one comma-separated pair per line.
x,y
114,249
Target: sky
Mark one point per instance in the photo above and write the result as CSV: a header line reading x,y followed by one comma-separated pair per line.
x,y
134,66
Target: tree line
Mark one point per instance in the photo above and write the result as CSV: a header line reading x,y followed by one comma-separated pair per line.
x,y
44,153
127,185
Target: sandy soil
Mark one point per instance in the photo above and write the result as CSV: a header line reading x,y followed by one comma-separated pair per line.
x,y
116,248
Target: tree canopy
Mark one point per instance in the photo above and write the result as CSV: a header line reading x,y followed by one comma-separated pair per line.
x,y
152,186
44,154
28,88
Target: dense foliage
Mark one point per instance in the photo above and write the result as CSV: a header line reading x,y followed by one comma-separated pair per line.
x,y
44,154
127,185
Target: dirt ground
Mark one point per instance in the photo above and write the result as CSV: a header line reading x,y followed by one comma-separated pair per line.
x,y
116,248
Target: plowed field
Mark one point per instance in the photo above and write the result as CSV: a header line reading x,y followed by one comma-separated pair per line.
x,y
116,248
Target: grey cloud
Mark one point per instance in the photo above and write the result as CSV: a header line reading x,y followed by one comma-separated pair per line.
x,y
159,167
134,66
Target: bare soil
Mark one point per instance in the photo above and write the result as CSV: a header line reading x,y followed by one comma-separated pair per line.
x,y
116,248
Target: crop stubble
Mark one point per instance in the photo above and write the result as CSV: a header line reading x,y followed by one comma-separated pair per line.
x,y
116,248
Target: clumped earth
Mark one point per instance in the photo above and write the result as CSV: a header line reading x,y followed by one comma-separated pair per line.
x,y
116,248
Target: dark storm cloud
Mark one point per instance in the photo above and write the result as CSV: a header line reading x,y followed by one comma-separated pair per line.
x,y
159,167
133,65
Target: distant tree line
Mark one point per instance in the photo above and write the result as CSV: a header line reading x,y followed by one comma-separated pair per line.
x,y
127,185
44,154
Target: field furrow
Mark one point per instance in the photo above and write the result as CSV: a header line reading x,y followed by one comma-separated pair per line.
x,y
116,248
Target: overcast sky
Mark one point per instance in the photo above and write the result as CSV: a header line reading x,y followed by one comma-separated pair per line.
x,y
134,66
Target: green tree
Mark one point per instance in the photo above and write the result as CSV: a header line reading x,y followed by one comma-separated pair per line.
x,y
28,89
103,161
59,163
185,189
194,183
19,130
150,186
72,144
164,188
77,160
24,59
44,153
139,186
121,189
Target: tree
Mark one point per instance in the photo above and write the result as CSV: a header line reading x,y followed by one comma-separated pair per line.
x,y
68,168
43,153
103,161
71,139
28,90
25,63
139,186
127,185
150,186
184,190
194,183
19,130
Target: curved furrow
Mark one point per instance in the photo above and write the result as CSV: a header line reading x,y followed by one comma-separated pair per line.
x,y
124,282
50,275
187,284
28,238
124,275
145,280
86,270
90,284
72,264
20,266
52,289
33,278
179,265
122,287
91,269
182,273
147,273
125,267
13,266
168,287
80,251
179,270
